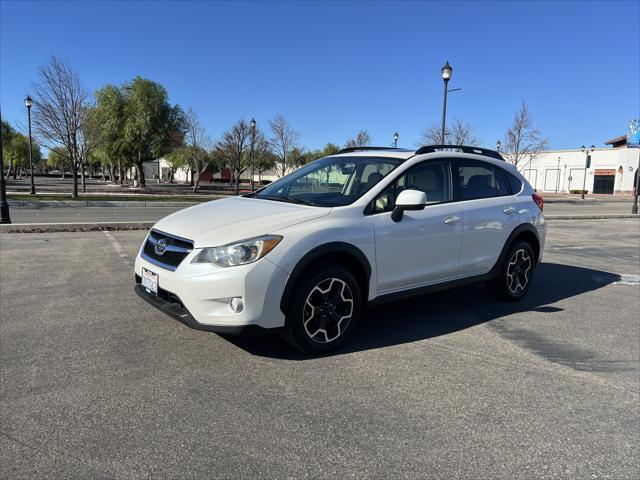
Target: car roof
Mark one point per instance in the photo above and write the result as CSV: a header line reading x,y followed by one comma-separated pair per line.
x,y
400,153
405,154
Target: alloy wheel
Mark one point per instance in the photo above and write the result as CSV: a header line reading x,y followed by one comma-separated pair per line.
x,y
328,310
519,271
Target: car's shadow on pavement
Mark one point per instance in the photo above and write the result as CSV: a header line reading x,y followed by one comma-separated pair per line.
x,y
444,312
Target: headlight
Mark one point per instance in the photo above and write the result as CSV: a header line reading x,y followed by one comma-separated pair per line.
x,y
240,253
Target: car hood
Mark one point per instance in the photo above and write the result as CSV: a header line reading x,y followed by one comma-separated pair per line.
x,y
235,218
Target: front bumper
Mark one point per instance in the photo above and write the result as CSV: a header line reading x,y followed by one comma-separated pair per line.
x,y
177,310
198,294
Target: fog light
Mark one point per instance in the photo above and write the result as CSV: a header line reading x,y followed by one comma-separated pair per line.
x,y
236,304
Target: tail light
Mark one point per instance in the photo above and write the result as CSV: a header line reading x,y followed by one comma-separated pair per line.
x,y
539,201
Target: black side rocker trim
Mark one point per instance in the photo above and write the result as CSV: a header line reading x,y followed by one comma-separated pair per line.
x,y
177,311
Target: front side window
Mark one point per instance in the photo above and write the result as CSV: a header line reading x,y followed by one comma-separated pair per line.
x,y
475,179
430,177
330,181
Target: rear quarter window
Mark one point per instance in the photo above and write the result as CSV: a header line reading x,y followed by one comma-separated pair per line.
x,y
515,184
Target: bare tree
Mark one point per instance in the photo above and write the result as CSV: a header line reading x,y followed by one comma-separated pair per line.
x,y
458,133
263,158
462,134
283,140
58,107
232,150
362,140
199,157
523,139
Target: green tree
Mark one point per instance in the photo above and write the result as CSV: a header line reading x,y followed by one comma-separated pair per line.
x,y
297,157
16,152
7,133
109,113
148,123
57,160
177,159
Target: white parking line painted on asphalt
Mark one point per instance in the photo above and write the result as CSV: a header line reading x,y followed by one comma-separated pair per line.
x,y
118,248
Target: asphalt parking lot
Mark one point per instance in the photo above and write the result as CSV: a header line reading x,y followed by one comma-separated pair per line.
x,y
98,384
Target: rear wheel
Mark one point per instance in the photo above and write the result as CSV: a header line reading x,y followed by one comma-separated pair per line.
x,y
516,272
324,310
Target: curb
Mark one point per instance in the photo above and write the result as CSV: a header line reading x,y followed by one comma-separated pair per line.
x,y
591,217
73,227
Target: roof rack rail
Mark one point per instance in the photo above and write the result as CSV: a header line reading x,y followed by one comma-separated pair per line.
x,y
462,148
364,149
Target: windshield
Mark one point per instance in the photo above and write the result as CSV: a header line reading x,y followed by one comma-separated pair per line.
x,y
330,181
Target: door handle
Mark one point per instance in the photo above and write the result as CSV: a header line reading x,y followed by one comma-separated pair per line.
x,y
450,220
510,210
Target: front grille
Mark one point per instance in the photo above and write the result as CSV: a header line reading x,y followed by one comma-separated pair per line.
x,y
175,250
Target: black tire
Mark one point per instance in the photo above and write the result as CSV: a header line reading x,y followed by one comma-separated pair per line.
x,y
333,310
514,279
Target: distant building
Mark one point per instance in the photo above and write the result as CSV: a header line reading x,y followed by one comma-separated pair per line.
x,y
181,175
612,170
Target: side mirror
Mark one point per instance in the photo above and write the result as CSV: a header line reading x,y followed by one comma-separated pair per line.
x,y
408,200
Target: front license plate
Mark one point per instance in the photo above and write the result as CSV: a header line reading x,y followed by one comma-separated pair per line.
x,y
150,281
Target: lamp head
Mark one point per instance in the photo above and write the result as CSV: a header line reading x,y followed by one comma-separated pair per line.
x,y
446,72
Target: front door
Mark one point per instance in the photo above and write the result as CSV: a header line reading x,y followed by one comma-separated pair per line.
x,y
424,247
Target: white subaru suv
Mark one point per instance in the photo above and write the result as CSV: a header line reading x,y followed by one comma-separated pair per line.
x,y
306,254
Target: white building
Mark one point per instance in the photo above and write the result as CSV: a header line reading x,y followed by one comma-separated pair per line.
x,y
181,175
612,170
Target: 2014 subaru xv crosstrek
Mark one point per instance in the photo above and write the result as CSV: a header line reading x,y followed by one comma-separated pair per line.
x,y
306,254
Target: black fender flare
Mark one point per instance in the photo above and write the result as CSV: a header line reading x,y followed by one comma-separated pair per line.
x,y
317,252
524,227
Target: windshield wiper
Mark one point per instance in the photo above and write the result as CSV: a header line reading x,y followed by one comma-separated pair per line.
x,y
287,199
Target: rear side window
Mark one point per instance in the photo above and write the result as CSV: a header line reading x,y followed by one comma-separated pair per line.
x,y
475,179
514,182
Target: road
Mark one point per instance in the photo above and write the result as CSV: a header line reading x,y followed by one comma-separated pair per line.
x,y
60,185
125,214
98,384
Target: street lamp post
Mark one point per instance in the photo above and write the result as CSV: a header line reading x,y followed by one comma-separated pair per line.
x,y
395,140
558,181
4,205
28,103
253,141
634,209
587,164
446,76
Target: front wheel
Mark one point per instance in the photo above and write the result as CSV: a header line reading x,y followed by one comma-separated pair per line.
x,y
323,310
516,272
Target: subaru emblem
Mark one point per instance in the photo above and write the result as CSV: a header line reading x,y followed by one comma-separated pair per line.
x,y
161,246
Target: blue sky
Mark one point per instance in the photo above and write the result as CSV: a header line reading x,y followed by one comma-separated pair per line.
x,y
333,68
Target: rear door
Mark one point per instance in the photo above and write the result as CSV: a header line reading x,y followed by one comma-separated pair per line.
x,y
490,213
424,247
